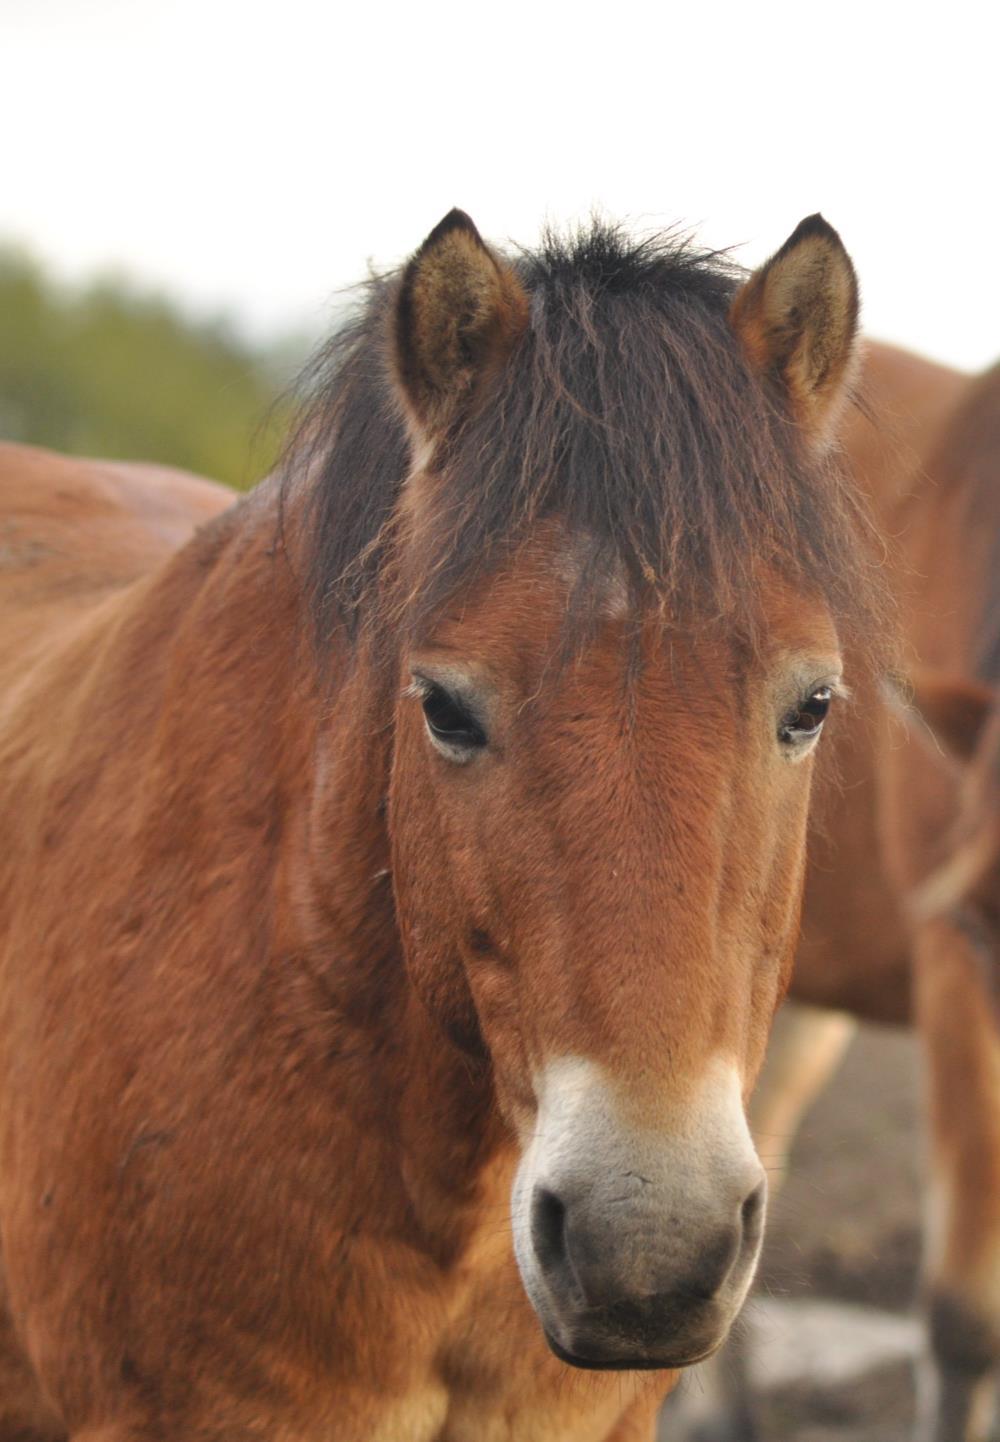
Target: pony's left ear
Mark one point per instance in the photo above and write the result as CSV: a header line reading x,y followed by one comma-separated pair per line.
x,y
459,311
797,320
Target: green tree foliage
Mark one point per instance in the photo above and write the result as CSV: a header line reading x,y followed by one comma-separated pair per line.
x,y
108,370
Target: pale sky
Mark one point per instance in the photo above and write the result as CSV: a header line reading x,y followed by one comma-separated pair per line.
x,y
252,157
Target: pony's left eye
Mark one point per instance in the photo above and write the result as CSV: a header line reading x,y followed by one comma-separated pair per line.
x,y
805,723
450,721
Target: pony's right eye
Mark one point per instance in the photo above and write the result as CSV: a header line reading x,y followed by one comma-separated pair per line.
x,y
450,722
805,722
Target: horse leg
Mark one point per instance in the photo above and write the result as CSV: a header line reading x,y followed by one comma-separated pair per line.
x,y
958,1024
806,1046
115,1432
24,1416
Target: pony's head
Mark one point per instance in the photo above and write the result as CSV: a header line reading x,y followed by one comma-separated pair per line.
x,y
608,563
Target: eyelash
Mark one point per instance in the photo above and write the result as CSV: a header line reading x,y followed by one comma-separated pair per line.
x,y
806,721
449,720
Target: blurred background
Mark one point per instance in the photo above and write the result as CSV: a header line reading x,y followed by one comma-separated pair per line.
x,y
189,188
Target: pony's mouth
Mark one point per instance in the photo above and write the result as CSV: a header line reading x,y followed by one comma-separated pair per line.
x,y
634,1364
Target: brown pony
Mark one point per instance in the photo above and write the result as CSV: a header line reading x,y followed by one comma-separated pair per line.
x,y
399,879
941,825
920,937
902,916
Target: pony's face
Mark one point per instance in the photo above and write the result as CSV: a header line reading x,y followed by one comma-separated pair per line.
x,y
599,880
598,864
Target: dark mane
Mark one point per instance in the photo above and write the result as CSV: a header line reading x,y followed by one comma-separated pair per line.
x,y
627,410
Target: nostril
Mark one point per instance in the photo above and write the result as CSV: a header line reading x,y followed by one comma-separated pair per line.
x,y
713,1264
548,1229
718,1258
752,1210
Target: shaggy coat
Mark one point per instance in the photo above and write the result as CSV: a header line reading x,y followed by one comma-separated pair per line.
x,y
401,866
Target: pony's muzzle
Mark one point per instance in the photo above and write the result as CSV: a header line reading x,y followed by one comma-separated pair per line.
x,y
624,1295
637,1243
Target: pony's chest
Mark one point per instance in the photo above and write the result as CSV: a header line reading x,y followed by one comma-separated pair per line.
x,y
501,1382
489,1377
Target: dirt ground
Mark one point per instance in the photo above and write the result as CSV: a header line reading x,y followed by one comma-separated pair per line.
x,y
832,1329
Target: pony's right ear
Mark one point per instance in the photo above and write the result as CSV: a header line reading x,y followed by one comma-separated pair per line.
x,y
797,320
459,312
